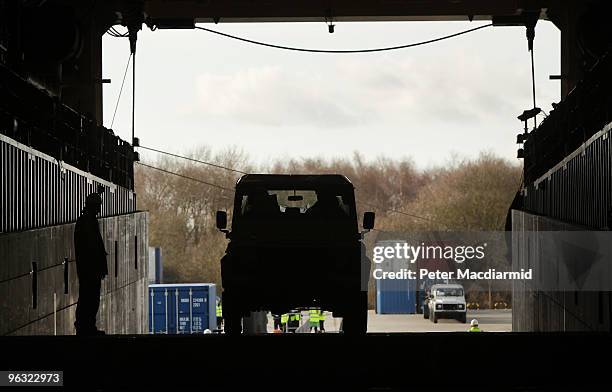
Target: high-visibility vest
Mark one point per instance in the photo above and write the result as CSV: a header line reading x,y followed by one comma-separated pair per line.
x,y
321,315
313,316
284,318
295,317
219,310
474,329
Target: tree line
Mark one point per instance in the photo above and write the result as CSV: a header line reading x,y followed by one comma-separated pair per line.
x,y
461,195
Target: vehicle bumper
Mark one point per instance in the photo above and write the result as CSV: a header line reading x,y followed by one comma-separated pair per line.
x,y
449,313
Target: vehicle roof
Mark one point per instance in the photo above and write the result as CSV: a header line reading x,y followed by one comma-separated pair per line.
x,y
289,181
449,285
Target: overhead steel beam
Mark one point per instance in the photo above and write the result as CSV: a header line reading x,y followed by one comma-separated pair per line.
x,y
201,11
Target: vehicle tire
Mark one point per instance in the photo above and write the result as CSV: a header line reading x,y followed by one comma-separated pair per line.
x,y
434,318
232,320
355,321
463,318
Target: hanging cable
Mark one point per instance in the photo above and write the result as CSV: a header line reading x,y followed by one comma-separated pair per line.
x,y
343,51
114,33
239,171
396,211
533,88
133,95
530,25
121,90
194,160
133,17
186,177
117,33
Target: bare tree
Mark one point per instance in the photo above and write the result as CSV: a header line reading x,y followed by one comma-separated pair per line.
x,y
463,195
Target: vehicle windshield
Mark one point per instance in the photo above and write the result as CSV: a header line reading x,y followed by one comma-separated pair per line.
x,y
449,292
279,203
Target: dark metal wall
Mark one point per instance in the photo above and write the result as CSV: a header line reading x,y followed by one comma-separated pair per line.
x,y
44,302
341,10
582,114
39,191
35,118
579,188
535,310
568,187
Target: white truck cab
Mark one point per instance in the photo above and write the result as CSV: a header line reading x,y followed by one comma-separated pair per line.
x,y
447,301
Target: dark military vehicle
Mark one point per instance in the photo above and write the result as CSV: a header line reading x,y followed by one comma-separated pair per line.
x,y
295,243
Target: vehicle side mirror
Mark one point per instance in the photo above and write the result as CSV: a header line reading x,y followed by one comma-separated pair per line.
x,y
221,220
368,220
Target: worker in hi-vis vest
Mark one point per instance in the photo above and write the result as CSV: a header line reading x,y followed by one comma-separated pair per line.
x,y
313,319
294,320
474,326
219,314
322,320
283,320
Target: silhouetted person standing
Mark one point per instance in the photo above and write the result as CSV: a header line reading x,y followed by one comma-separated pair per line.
x,y
91,266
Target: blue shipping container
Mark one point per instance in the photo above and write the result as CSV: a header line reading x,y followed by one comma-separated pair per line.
x,y
396,296
182,308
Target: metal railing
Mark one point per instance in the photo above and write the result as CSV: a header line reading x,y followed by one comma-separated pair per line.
x,y
578,189
39,191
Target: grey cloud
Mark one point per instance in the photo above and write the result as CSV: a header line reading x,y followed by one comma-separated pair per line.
x,y
272,96
361,93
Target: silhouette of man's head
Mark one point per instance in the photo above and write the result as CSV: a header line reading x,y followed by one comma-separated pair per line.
x,y
93,203
258,193
327,198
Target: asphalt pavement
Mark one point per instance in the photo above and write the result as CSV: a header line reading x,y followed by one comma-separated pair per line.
x,y
489,321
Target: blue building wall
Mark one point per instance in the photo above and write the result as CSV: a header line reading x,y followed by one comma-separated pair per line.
x,y
44,302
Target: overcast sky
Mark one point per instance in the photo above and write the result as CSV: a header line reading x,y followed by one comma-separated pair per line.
x,y
459,96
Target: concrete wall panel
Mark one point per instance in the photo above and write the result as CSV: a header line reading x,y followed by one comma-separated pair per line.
x,y
536,310
123,306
